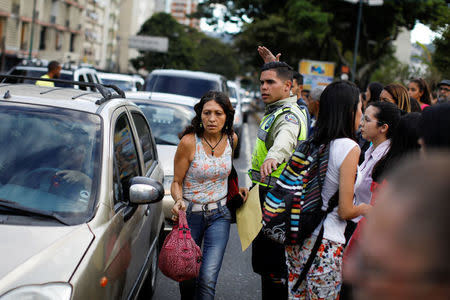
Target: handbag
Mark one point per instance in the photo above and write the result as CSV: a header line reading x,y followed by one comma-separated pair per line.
x,y
180,256
234,198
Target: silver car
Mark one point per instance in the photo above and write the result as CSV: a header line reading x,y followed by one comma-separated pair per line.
x,y
168,115
80,196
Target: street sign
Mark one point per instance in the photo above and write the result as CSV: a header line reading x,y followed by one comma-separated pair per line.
x,y
150,43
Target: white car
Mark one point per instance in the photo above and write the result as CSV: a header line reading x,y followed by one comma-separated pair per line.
x,y
124,81
168,115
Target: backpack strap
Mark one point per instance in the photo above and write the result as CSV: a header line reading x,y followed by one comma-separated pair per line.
x,y
332,203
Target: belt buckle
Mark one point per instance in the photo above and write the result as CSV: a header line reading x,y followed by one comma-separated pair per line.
x,y
205,207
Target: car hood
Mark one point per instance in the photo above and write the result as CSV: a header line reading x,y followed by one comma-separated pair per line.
x,y
40,254
166,155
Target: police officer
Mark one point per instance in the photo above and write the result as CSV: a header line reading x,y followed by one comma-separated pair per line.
x,y
283,125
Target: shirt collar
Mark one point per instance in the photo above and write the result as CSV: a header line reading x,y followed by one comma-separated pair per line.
x,y
379,151
270,108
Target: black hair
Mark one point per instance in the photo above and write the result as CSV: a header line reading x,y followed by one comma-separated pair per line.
x,y
337,110
415,106
297,76
403,142
424,88
387,113
435,126
282,69
53,65
375,89
224,102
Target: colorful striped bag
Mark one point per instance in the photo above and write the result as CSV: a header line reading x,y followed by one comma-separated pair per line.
x,y
294,208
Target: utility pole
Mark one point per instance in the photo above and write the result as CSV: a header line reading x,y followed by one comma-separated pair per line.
x,y
358,29
33,20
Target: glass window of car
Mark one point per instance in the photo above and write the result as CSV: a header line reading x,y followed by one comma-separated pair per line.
x,y
122,84
167,120
50,159
145,139
82,79
126,161
187,86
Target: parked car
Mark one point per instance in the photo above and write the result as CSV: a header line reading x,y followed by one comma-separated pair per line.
x,y
168,116
124,81
235,99
69,72
187,83
80,195
246,104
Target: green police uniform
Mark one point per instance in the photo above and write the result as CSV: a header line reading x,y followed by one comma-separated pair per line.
x,y
283,116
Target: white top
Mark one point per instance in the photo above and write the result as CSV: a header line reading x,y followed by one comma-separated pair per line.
x,y
334,226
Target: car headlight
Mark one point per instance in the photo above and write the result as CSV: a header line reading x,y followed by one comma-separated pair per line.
x,y
167,184
48,291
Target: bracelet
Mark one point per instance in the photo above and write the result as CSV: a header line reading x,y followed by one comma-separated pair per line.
x,y
181,199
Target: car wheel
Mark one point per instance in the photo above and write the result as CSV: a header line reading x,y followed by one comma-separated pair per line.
x,y
245,118
149,285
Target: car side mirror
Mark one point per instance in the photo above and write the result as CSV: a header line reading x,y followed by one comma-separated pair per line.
x,y
144,190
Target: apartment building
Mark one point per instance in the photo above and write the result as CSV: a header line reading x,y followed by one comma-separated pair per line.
x,y
56,33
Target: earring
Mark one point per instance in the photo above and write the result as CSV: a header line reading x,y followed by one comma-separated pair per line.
x,y
201,125
226,127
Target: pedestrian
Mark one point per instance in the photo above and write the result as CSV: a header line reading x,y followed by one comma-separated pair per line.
x,y
434,127
419,90
54,71
202,164
397,94
443,91
402,251
313,106
339,117
281,128
372,93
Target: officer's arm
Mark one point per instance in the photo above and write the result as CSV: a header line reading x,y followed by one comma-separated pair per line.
x,y
285,132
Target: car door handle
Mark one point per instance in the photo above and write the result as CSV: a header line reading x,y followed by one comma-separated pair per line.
x,y
147,211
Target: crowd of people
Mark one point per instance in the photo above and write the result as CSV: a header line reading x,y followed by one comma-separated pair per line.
x,y
388,165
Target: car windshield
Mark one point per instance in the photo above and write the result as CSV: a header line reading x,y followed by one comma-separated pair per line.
x,y
186,86
167,120
65,75
49,159
122,84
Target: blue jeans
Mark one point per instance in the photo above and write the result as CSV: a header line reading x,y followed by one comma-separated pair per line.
x,y
213,228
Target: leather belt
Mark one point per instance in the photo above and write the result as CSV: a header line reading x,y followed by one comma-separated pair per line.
x,y
206,207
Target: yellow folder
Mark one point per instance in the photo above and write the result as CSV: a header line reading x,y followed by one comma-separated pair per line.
x,y
249,217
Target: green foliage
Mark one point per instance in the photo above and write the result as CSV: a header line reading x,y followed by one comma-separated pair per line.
x,y
325,30
390,71
188,49
441,56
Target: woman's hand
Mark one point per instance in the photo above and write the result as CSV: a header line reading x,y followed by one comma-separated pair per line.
x,y
364,208
176,208
244,193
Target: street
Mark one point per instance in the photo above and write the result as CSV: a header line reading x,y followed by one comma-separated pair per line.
x,y
236,278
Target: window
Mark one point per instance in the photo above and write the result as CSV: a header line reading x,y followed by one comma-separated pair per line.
x,y
42,38
126,163
81,79
58,40
72,42
24,37
145,139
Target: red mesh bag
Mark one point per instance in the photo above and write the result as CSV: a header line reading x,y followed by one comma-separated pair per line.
x,y
180,256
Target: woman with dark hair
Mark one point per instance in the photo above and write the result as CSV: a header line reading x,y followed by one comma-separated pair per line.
x,y
435,127
202,165
419,90
339,117
373,92
378,124
403,142
397,94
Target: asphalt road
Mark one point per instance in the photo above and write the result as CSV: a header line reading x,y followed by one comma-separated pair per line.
x,y
236,279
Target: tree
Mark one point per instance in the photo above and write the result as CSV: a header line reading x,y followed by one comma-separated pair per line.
x,y
441,58
325,30
188,49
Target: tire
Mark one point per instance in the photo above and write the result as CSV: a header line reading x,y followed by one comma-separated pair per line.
x,y
245,118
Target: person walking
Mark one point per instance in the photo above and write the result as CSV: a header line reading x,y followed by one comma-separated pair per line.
x,y
282,126
202,163
339,117
54,71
